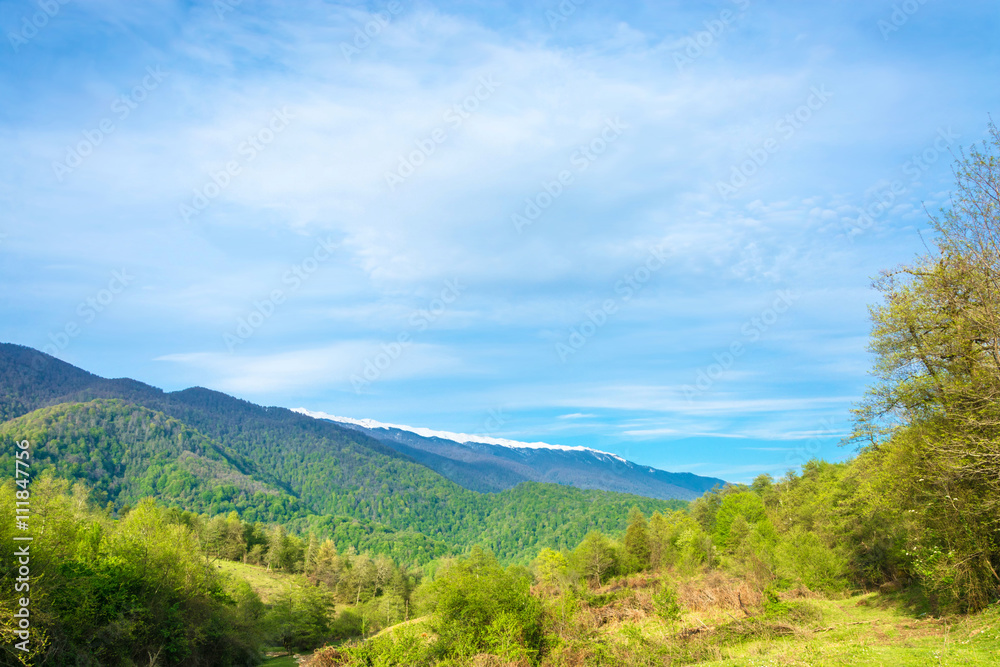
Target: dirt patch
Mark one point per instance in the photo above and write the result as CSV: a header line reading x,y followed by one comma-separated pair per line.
x,y
800,592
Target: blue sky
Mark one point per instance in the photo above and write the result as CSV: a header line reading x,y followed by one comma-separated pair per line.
x,y
638,227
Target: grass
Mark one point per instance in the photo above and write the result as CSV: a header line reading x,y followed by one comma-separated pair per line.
x,y
267,583
281,661
864,631
860,630
726,625
393,628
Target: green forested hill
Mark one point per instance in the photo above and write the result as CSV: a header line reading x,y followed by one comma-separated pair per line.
x,y
126,452
205,451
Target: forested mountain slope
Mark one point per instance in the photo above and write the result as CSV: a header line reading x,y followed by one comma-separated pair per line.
x,y
125,453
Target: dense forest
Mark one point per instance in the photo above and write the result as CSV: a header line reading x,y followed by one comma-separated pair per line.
x,y
151,517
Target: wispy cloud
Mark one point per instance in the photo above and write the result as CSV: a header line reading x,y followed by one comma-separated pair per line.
x,y
670,399
328,367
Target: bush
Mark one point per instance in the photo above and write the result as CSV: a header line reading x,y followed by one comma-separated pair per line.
x,y
128,591
665,601
347,625
803,558
405,646
480,607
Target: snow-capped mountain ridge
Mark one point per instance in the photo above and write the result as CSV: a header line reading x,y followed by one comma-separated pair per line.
x,y
487,464
455,437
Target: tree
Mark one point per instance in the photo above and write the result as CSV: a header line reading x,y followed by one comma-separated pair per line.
x,y
659,541
637,539
931,424
745,505
595,557
362,579
125,591
384,571
300,618
224,537
328,566
550,568
277,540
309,559
762,484
704,508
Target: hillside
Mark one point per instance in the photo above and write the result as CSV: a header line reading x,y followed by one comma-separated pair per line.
x,y
619,625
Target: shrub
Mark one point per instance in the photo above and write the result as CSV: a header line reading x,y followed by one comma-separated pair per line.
x,y
481,607
804,558
666,604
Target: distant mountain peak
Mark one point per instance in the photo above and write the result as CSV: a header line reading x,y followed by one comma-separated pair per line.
x,y
461,438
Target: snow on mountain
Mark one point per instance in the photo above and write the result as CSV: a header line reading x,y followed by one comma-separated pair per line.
x,y
456,437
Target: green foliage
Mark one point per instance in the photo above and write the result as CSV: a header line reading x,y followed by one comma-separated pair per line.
x,y
931,424
481,607
803,558
704,509
122,592
403,647
665,601
679,540
347,625
126,453
752,550
840,504
551,569
762,485
596,558
300,619
637,540
746,506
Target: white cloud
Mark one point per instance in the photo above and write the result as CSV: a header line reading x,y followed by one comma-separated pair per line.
x,y
330,367
671,399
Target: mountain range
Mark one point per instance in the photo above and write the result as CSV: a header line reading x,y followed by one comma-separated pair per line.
x,y
203,451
